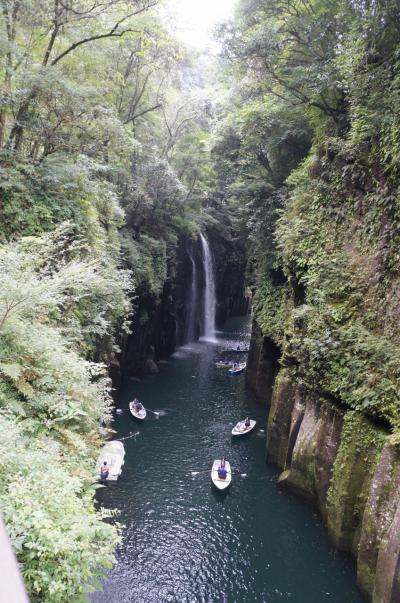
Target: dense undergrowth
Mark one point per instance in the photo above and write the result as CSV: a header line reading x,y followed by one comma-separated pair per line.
x,y
56,299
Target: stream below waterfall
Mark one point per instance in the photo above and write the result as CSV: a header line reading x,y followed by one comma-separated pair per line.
x,y
184,542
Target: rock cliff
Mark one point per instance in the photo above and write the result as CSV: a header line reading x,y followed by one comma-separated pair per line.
x,y
340,461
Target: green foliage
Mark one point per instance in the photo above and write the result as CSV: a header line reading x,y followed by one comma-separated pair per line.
x,y
146,257
324,253
61,547
52,402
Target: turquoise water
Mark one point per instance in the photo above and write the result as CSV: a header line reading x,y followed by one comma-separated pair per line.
x,y
183,541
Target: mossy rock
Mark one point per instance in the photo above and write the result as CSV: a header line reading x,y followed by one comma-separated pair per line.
x,y
360,447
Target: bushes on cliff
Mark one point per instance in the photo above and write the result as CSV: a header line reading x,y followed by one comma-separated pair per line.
x,y
53,295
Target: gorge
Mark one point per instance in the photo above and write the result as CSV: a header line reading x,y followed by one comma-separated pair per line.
x,y
153,195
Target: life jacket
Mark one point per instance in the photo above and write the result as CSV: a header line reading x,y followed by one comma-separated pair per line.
x,y
222,472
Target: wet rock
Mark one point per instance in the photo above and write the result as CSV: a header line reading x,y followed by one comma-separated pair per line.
x,y
114,370
355,463
284,477
279,420
387,585
379,540
315,431
263,365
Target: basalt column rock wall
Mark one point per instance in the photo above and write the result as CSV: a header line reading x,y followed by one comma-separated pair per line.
x,y
339,461
230,265
262,365
160,323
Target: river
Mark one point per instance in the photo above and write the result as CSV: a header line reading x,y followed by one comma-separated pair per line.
x,y
183,541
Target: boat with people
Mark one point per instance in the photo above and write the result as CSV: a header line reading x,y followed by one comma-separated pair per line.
x,y
221,474
224,363
237,368
110,461
237,350
137,410
243,427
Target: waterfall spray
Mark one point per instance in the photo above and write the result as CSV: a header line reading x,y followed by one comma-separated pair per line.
x,y
209,290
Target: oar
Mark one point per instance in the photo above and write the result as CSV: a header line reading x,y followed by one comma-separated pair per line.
x,y
202,471
131,435
209,470
153,411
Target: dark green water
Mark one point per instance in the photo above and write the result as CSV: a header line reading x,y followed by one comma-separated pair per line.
x,y
185,542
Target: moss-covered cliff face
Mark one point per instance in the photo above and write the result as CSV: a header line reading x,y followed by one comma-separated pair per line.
x,y
334,415
327,297
334,418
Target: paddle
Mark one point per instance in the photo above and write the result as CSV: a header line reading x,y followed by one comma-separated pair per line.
x,y
193,473
153,411
131,435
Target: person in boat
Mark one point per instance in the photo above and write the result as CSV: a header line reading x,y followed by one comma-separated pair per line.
x,y
222,472
137,406
247,422
104,473
238,348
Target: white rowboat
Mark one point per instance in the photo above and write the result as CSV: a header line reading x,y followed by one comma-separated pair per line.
x,y
113,453
241,429
138,414
219,483
237,370
221,364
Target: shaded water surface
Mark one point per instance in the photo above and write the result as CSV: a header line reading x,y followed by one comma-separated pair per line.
x,y
184,542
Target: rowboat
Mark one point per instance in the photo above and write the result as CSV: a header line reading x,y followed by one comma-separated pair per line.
x,y
221,364
138,414
236,351
237,370
218,482
241,429
113,453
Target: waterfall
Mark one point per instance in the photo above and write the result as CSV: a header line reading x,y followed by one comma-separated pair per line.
x,y
190,331
209,290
